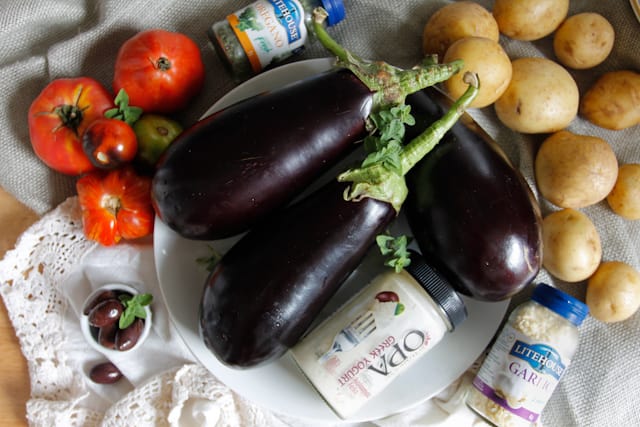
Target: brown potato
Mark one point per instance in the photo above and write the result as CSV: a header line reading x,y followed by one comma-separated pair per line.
x,y
613,292
624,199
574,171
542,97
583,40
572,246
455,21
488,60
529,19
613,102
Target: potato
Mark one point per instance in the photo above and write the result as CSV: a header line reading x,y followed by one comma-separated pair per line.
x,y
624,199
583,40
455,21
574,171
613,292
572,247
542,97
613,102
484,57
529,19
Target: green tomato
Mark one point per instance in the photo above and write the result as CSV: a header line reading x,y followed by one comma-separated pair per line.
x,y
154,133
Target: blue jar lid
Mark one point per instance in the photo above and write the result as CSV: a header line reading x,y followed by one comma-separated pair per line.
x,y
565,305
335,10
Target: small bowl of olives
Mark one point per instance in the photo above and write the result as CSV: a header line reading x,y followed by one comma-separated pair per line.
x,y
116,317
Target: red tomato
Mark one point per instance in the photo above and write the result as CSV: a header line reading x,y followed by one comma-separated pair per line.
x,y
115,205
160,70
58,117
109,143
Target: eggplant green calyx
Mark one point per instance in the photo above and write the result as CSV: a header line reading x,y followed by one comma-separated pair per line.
x,y
389,84
383,179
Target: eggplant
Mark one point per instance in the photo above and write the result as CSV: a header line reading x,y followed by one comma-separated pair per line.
x,y
230,170
235,167
269,287
472,214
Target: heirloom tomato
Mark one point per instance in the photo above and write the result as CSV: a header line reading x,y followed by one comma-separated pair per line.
x,y
160,70
109,143
58,117
115,205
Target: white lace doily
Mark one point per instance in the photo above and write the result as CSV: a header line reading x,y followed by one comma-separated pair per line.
x,y
32,276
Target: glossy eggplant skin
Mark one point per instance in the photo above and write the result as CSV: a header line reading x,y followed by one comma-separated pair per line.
x,y
268,289
472,214
229,170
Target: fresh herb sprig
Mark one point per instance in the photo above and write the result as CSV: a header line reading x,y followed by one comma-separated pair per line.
x,y
133,308
123,111
395,249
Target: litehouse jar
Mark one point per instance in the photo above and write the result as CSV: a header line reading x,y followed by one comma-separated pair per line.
x,y
528,358
379,333
267,32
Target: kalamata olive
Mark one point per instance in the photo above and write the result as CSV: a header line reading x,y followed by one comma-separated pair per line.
x,y
387,296
97,299
107,336
105,373
105,313
127,338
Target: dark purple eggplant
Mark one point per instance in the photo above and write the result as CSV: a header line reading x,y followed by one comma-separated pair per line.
x,y
268,288
472,214
228,171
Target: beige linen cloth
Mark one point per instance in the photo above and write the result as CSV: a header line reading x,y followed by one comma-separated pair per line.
x,y
41,40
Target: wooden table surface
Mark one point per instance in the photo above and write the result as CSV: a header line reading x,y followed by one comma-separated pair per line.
x,y
14,376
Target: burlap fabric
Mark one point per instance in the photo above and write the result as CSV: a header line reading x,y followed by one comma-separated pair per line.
x,y
44,40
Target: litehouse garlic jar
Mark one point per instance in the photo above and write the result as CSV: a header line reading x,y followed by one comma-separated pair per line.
x,y
528,358
380,332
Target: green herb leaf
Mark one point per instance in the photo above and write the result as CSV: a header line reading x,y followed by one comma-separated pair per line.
x,y
399,309
395,249
126,319
210,261
133,308
123,110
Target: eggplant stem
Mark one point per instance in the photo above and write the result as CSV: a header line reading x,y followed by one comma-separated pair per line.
x,y
379,182
390,84
413,152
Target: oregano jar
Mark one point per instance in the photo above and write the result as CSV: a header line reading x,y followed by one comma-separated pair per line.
x,y
267,32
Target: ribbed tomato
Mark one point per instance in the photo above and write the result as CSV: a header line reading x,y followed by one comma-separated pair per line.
x,y
115,205
160,70
58,117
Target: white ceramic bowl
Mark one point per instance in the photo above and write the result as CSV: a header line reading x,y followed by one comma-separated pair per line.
x,y
90,333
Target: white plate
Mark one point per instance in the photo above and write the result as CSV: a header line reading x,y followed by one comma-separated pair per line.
x,y
279,385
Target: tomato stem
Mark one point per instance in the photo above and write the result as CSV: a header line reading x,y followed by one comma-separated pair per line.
x,y
111,203
163,64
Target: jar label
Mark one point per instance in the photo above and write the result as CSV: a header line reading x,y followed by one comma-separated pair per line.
x,y
519,375
270,30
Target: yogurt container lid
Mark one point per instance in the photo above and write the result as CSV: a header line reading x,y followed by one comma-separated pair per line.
x,y
438,288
